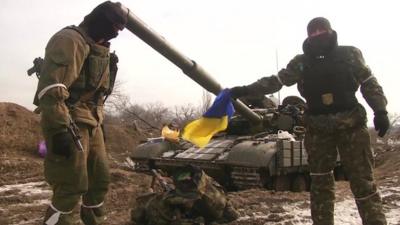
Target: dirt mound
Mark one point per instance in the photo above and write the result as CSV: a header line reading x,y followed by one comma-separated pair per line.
x,y
23,193
387,163
121,140
19,129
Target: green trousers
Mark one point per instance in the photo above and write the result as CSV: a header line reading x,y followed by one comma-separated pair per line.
x,y
82,177
353,146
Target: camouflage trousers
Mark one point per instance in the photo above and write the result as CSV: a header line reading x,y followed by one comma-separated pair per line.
x,y
353,146
82,177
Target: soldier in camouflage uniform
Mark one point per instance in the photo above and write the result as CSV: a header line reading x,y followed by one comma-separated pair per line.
x,y
196,200
328,76
166,208
76,76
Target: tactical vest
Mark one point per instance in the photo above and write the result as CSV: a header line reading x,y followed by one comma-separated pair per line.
x,y
95,79
329,85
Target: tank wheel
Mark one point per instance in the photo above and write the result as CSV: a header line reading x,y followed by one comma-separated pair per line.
x,y
299,183
282,183
265,179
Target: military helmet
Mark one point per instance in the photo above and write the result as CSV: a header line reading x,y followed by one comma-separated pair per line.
x,y
320,23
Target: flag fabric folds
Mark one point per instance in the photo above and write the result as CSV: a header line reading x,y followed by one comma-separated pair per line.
x,y
170,134
200,131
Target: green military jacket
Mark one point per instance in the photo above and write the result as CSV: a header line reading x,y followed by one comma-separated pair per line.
x,y
73,66
294,74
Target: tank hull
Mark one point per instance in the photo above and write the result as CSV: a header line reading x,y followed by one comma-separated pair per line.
x,y
237,162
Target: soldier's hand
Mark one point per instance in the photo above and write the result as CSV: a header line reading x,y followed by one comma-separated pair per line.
x,y
239,91
63,144
381,122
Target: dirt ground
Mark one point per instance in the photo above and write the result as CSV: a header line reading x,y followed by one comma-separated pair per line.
x,y
24,195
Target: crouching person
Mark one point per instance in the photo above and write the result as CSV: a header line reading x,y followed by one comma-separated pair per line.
x,y
197,199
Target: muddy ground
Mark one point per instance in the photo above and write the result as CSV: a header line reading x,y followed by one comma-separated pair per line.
x,y
24,195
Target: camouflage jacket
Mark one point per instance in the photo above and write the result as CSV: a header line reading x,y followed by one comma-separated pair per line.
x,y
72,63
213,199
166,208
294,74
207,204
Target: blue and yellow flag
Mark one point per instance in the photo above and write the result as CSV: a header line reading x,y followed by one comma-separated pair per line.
x,y
200,131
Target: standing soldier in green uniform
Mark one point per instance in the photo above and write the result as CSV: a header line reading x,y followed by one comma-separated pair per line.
x,y
77,74
328,76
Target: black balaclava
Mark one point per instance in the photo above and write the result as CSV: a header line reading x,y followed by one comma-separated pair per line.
x,y
323,43
104,21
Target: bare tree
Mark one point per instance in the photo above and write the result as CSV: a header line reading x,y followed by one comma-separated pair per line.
x,y
158,113
205,102
185,113
394,130
150,117
118,100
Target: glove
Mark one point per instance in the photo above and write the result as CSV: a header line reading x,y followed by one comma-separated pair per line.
x,y
63,144
239,91
381,122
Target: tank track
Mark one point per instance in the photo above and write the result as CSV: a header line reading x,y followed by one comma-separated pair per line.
x,y
245,178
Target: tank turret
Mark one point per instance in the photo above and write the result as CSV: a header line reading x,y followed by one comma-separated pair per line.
x,y
262,147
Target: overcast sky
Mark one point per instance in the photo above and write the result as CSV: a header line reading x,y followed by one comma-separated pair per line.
x,y
235,41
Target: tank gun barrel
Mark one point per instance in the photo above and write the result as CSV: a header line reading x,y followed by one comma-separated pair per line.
x,y
188,66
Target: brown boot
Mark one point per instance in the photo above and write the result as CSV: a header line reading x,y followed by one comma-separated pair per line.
x,y
370,209
92,216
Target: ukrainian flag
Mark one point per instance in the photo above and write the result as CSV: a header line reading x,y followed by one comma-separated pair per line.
x,y
200,131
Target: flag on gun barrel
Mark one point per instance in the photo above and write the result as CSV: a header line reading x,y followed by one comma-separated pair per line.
x,y
200,131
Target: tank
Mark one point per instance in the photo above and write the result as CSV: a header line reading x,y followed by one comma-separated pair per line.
x,y
262,147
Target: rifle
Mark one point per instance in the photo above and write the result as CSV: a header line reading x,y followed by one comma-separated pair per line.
x,y
37,65
164,184
73,129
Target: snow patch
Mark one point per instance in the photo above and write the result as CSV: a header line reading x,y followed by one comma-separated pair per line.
x,y
393,193
346,212
32,188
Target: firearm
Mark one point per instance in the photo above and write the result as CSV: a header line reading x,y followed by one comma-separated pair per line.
x,y
73,129
164,184
37,65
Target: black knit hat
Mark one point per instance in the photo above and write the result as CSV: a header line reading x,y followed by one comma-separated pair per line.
x,y
320,23
112,11
102,21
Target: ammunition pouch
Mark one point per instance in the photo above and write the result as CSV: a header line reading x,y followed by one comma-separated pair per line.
x,y
113,72
331,123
